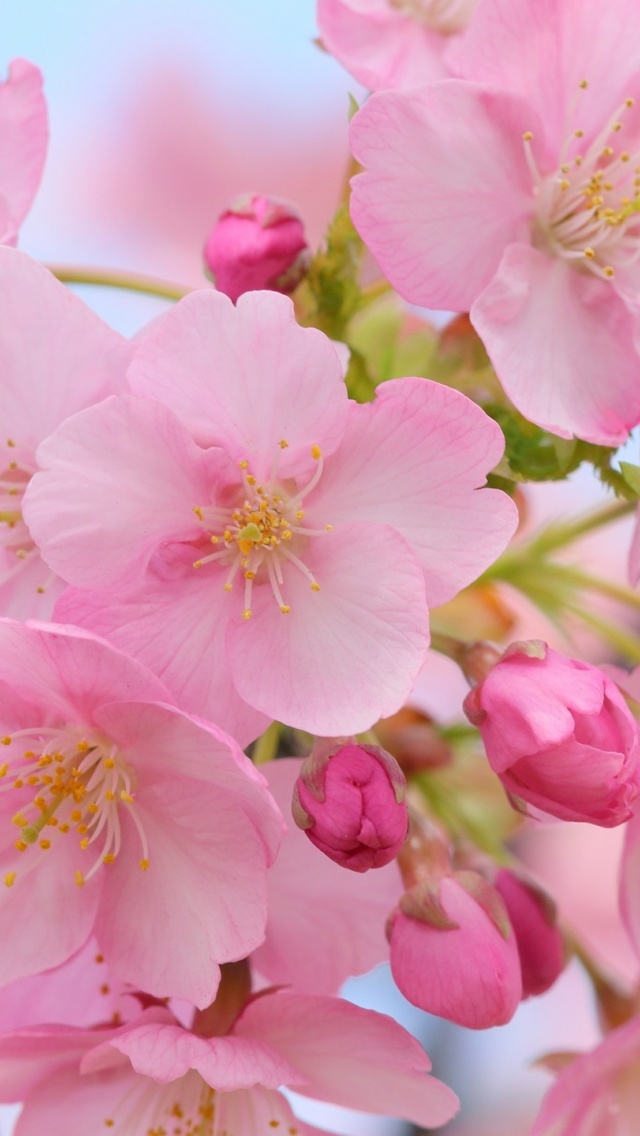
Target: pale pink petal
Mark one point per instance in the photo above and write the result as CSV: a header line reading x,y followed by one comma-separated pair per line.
x,y
544,50
447,187
68,1104
351,1057
46,917
324,924
357,643
56,355
413,459
28,589
23,136
205,886
78,993
31,1055
177,628
166,1052
250,1112
381,47
245,378
153,735
66,672
117,480
562,343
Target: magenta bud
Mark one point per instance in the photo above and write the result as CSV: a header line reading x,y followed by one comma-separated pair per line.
x,y
257,243
453,952
558,734
533,917
350,801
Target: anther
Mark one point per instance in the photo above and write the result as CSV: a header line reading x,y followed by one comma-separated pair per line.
x,y
10,879
315,587
316,453
144,864
79,878
285,608
527,136
247,613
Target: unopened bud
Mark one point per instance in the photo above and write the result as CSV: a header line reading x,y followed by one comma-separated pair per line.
x,y
453,952
350,801
559,735
257,243
533,918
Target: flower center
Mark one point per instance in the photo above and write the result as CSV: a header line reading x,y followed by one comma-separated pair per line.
x,y
14,534
259,533
443,16
77,781
588,209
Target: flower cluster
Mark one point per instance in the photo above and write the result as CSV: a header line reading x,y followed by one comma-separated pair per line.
x,y
226,548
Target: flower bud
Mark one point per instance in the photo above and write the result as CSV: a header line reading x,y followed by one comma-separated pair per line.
x,y
559,735
258,242
540,944
453,951
349,799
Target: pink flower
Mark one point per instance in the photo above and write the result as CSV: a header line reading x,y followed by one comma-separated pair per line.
x,y
540,944
56,357
323,924
559,735
349,799
24,134
258,242
114,803
392,43
154,1075
293,539
453,951
511,195
597,1093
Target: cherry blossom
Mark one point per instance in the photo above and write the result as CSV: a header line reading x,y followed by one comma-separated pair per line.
x,y
114,803
293,539
513,193
154,1074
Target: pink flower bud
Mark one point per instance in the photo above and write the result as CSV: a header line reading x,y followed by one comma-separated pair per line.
x,y
559,735
533,917
454,953
349,800
258,242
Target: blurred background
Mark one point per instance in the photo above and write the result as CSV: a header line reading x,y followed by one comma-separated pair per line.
x,y
160,112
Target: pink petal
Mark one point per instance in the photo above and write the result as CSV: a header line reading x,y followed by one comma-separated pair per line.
x,y
245,378
65,673
31,1055
118,480
562,343
351,1057
153,735
447,187
46,917
78,993
68,1104
380,47
166,1052
543,50
324,924
23,137
630,882
193,892
413,459
177,628
56,355
346,655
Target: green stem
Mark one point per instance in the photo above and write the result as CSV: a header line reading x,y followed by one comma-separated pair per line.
x,y
455,649
114,278
628,645
266,747
595,584
558,536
